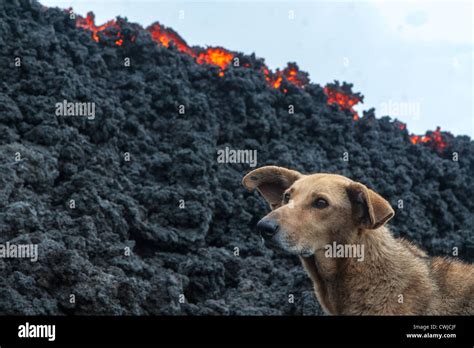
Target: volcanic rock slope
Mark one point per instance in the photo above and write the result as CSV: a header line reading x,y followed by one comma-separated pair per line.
x,y
137,204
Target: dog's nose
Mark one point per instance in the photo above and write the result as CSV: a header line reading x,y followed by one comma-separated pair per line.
x,y
267,228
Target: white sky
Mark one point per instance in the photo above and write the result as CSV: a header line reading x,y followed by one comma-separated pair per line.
x,y
417,55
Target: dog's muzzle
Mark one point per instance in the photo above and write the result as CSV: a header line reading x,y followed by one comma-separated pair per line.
x,y
272,237
267,228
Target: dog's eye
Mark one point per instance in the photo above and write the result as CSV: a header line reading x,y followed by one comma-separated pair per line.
x,y
320,203
286,198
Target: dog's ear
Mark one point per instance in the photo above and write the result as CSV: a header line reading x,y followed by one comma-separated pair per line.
x,y
271,182
369,208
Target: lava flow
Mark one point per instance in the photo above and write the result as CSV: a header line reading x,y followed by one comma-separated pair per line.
x,y
216,56
272,79
291,73
164,36
343,97
295,76
211,56
434,138
89,24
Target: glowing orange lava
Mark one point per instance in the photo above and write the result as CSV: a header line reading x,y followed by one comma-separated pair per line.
x,y
211,56
294,76
344,100
434,138
220,57
215,56
165,37
291,74
89,24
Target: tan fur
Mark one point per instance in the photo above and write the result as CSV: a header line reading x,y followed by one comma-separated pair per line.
x,y
395,277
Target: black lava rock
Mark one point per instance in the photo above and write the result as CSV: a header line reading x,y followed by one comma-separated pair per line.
x,y
170,230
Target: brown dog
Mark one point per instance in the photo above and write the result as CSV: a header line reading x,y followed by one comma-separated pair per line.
x,y
328,219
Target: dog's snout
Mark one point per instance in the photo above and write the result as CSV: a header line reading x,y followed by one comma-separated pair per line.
x,y
267,228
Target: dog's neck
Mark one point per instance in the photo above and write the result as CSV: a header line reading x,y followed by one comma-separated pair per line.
x,y
330,273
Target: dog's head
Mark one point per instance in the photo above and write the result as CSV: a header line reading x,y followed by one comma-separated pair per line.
x,y
311,211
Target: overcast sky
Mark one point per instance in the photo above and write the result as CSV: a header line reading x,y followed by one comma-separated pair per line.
x,y
410,59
